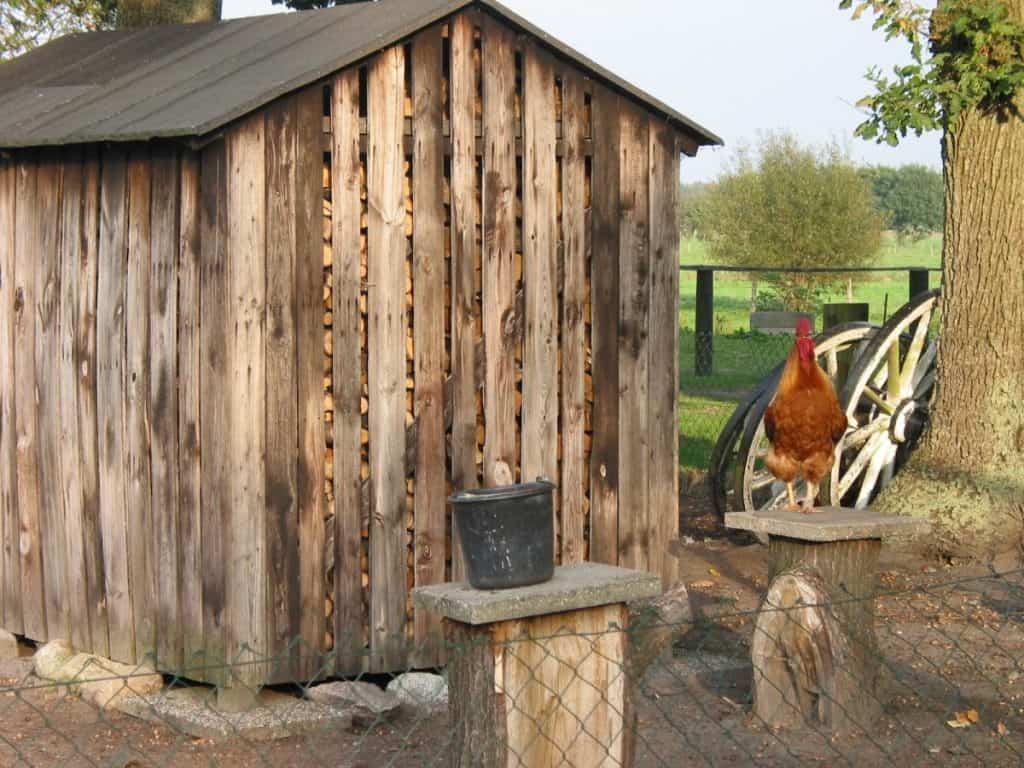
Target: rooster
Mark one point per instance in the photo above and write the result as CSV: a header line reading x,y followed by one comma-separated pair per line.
x,y
804,422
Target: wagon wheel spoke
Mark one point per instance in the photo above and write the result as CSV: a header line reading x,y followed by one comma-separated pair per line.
x,y
860,463
926,365
877,399
879,458
832,363
913,356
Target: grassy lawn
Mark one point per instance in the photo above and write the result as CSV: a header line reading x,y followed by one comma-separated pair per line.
x,y
742,359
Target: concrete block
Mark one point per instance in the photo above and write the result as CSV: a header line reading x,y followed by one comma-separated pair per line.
x,y
826,524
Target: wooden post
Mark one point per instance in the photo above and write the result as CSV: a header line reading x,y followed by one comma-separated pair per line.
x,y
541,676
814,652
836,314
705,322
918,282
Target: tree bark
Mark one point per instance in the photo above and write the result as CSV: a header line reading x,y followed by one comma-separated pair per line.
x,y
132,14
968,473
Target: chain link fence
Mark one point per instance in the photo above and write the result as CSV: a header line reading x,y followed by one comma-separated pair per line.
x,y
949,659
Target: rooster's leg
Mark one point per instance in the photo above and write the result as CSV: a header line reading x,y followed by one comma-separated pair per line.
x,y
794,506
812,492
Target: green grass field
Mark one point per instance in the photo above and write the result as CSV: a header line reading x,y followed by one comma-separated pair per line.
x,y
741,359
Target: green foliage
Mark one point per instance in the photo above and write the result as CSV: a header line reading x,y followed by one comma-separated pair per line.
x,y
965,54
690,197
25,24
305,5
792,206
911,197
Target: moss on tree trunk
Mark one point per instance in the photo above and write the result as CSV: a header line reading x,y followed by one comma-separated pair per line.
x,y
968,474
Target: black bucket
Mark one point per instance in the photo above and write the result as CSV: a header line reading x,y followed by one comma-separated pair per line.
x,y
507,534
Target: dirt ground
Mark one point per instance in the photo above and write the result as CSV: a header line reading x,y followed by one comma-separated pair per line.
x,y
951,638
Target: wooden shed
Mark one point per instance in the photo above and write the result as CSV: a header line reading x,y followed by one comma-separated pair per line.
x,y
270,289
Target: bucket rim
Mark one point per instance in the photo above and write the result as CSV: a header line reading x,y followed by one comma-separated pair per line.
x,y
502,492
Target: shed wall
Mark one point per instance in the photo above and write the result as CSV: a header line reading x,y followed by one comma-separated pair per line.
x,y
237,385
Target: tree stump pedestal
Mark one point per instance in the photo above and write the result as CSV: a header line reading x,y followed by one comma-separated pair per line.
x,y
814,653
538,675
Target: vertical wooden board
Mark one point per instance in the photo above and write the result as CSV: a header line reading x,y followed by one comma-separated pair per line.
x,y
540,270
499,246
664,351
309,330
574,331
141,566
88,439
163,394
349,615
463,257
215,472
428,340
26,412
386,327
47,314
282,398
245,598
189,431
10,566
634,349
110,401
70,257
604,286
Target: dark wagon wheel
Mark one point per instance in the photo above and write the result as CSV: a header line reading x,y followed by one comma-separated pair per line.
x,y
886,399
724,457
754,486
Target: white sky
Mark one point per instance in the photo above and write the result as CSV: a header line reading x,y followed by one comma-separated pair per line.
x,y
738,67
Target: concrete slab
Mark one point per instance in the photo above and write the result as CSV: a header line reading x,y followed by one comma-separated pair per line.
x,y
826,524
574,587
8,646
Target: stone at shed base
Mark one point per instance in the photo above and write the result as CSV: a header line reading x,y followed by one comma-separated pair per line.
x,y
420,690
104,682
369,704
8,645
195,712
237,699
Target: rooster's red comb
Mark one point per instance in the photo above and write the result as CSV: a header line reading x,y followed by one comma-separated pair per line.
x,y
803,327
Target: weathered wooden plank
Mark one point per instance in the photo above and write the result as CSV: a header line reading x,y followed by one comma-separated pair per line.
x,y
163,394
10,565
88,436
634,349
386,338
138,415
604,276
215,472
349,613
574,330
499,245
428,340
309,331
74,561
47,314
663,522
189,431
464,222
245,598
282,397
26,246
110,401
540,270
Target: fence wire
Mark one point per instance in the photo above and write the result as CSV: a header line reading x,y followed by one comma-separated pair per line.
x,y
948,657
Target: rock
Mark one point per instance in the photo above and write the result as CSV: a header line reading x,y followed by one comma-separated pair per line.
x,y
8,645
105,683
420,690
364,696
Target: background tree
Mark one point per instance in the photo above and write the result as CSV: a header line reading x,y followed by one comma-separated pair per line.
x,y
690,197
911,197
791,206
148,13
967,79
305,5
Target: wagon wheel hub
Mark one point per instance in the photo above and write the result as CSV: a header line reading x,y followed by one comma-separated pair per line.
x,y
900,418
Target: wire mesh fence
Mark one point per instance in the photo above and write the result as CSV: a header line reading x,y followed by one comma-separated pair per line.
x,y
946,658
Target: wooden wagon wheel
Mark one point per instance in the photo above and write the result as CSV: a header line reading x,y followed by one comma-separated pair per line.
x,y
724,457
886,398
754,486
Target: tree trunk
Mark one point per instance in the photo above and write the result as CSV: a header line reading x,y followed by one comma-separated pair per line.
x,y
149,13
968,474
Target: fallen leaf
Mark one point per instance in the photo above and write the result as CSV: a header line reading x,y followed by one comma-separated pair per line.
x,y
702,584
1002,730
958,724
964,719
713,572
972,715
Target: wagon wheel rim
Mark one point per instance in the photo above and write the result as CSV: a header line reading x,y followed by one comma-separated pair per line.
x,y
755,487
886,400
723,456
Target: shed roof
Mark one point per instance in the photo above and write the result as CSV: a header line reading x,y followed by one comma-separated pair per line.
x,y
188,80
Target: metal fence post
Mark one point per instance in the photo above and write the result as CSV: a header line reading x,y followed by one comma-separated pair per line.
x,y
704,351
918,282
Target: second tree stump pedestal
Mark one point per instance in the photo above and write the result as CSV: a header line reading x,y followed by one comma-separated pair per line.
x,y
814,653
